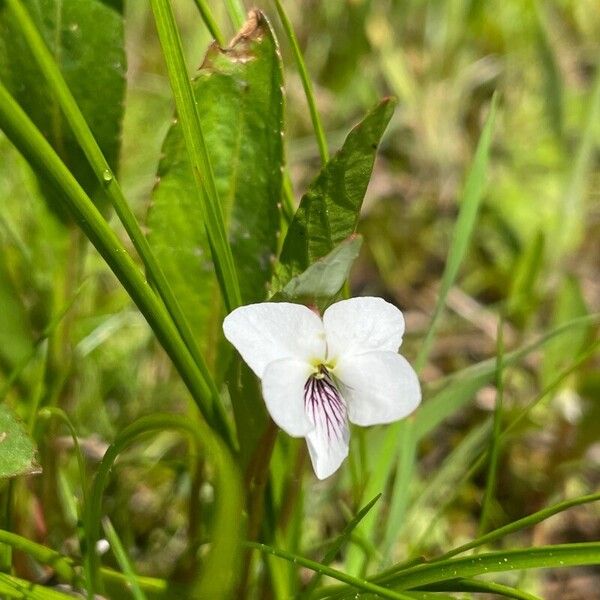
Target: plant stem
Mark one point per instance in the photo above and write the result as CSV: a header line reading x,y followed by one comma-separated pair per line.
x,y
226,529
235,9
306,81
210,22
32,144
494,449
105,176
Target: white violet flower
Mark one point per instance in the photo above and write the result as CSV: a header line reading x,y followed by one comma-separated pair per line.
x,y
318,374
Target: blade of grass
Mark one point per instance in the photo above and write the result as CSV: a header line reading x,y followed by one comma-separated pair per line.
x,y
562,555
396,434
337,545
63,566
306,81
122,559
189,119
463,230
14,587
543,557
32,144
474,585
210,22
235,10
525,522
101,168
482,457
355,582
494,448
218,572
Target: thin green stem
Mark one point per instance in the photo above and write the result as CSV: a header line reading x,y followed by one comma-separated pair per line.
x,y
32,144
189,119
477,586
236,13
227,516
306,81
105,176
61,415
66,569
62,565
210,22
495,562
483,456
122,558
355,582
528,521
494,449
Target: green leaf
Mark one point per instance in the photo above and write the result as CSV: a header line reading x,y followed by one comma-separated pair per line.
x,y
330,209
324,278
564,555
17,450
77,34
238,91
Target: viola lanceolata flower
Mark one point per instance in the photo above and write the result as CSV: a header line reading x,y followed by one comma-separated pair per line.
x,y
319,374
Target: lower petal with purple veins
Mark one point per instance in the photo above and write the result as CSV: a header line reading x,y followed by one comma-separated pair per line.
x,y
326,410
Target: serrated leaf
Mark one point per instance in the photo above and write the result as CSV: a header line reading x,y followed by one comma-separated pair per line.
x,y
324,278
86,39
330,209
17,450
239,97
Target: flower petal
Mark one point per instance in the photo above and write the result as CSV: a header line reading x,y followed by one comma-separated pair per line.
x,y
360,325
379,387
269,331
283,390
327,453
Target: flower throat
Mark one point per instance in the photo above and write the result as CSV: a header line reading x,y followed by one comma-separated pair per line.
x,y
324,404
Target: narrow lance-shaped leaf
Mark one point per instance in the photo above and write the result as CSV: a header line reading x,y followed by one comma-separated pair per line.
x,y
77,33
239,96
330,209
17,450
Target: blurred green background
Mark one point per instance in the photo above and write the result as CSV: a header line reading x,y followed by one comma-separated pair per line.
x,y
534,257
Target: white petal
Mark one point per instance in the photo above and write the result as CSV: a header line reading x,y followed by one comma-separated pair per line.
x,y
328,440
326,454
269,331
362,324
379,387
283,390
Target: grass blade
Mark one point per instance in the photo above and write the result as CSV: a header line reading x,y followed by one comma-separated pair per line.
x,y
106,178
562,555
477,586
122,559
494,449
355,582
30,142
338,544
397,434
306,81
465,223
